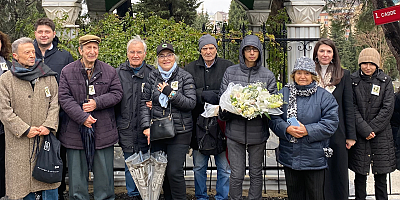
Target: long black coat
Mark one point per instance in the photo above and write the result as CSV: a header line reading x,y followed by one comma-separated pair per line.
x,y
205,80
336,186
131,137
373,114
183,102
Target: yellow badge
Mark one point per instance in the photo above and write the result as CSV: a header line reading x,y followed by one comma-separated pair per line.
x,y
47,91
91,90
174,85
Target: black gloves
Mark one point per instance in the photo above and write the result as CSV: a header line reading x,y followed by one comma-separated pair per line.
x,y
210,96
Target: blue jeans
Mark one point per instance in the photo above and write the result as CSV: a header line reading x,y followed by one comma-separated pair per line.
x,y
46,195
130,184
200,162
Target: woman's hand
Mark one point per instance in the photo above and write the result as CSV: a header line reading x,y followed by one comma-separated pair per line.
x,y
295,131
161,86
149,104
146,132
350,143
370,136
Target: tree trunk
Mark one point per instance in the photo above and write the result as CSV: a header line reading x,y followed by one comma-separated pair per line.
x,y
391,30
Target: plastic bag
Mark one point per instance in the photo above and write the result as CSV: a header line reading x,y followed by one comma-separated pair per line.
x,y
210,110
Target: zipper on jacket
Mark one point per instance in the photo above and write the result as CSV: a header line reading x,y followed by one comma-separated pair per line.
x,y
183,125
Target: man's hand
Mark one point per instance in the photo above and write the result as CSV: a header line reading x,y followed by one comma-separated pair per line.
x,y
89,106
146,132
370,136
89,121
34,131
43,130
350,143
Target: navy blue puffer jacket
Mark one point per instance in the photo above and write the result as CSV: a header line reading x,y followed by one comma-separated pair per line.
x,y
319,114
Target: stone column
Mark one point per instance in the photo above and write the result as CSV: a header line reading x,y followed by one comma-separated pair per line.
x,y
304,17
61,9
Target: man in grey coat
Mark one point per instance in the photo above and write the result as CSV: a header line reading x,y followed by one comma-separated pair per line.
x,y
243,134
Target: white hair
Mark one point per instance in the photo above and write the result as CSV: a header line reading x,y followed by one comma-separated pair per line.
x,y
16,43
135,40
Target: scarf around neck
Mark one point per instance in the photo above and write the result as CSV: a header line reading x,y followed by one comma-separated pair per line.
x,y
298,90
39,69
166,75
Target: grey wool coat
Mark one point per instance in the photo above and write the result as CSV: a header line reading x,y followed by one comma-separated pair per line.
x,y
20,108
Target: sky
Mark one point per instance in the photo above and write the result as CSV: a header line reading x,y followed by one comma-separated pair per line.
x,y
212,6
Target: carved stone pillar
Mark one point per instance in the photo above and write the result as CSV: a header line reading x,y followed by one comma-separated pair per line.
x,y
257,18
61,8
304,17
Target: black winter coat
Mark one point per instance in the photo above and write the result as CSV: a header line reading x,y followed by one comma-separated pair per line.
x,y
373,114
131,137
183,102
205,80
55,58
239,129
336,187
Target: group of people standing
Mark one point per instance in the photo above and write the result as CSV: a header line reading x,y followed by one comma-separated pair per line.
x,y
342,118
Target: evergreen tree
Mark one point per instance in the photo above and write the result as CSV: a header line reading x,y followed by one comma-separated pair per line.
x,y
17,17
180,10
202,19
237,16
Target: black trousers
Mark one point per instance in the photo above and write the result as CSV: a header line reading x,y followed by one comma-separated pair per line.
x,y
360,184
2,166
174,185
305,184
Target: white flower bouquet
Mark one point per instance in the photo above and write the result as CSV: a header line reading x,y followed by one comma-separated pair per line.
x,y
250,101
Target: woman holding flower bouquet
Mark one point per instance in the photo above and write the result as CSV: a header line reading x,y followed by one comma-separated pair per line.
x,y
310,118
244,134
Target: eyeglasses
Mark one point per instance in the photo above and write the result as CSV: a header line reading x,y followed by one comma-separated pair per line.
x,y
249,49
164,56
207,48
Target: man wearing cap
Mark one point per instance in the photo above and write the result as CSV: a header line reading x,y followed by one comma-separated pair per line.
x,y
46,50
88,91
133,75
208,72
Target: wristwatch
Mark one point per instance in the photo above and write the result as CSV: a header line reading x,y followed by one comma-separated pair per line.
x,y
172,94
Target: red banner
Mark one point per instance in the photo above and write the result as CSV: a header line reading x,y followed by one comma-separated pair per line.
x,y
387,15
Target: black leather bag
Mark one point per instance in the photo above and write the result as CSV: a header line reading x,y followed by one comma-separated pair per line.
x,y
49,166
162,128
209,136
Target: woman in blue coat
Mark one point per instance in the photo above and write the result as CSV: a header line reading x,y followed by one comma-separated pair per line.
x,y
310,118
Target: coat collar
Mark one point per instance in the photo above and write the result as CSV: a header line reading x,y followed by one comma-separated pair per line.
x,y
126,67
356,77
200,62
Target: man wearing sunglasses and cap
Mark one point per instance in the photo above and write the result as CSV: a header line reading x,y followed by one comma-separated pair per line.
x,y
88,91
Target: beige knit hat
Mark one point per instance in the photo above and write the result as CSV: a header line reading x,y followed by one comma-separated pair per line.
x,y
369,55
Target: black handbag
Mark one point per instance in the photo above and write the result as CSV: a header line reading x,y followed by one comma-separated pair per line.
x,y
161,128
49,166
209,136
